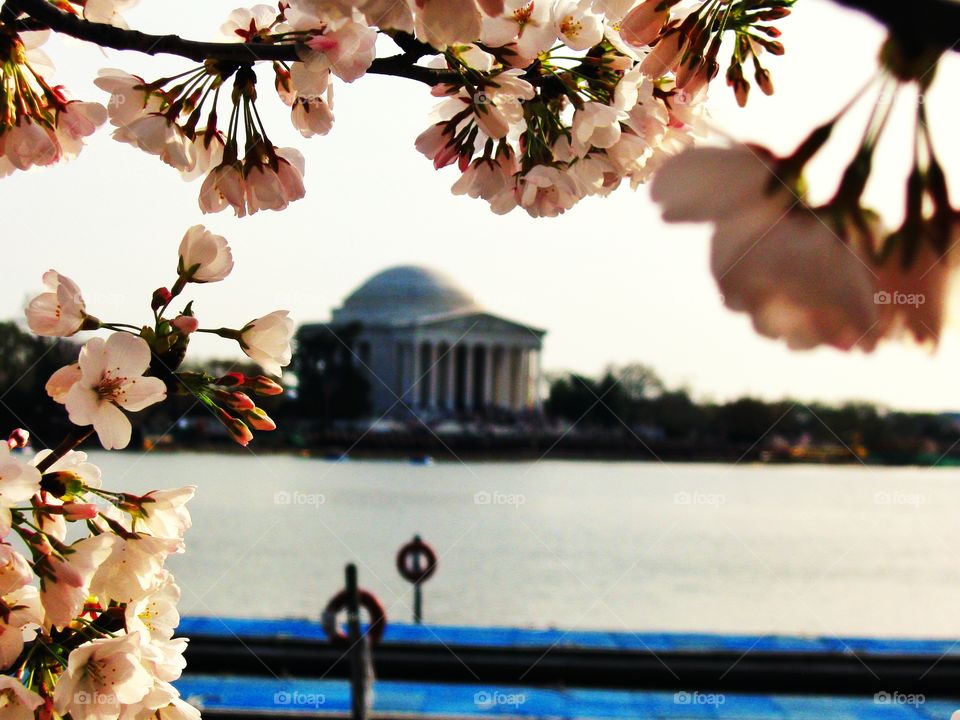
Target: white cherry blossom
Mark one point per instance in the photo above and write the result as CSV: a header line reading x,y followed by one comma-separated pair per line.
x,y
111,378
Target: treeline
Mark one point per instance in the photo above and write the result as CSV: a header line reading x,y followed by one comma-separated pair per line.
x,y
627,403
632,400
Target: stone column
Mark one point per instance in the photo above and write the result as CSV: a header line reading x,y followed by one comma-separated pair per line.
x,y
488,376
468,378
524,380
413,394
451,361
516,376
433,377
538,384
503,379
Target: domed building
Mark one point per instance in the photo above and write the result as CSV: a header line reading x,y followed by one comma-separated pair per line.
x,y
426,345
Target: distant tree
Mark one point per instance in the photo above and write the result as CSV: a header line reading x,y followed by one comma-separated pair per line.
x,y
26,363
331,386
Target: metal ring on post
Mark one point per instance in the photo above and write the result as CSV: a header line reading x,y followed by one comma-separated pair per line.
x,y
410,561
368,601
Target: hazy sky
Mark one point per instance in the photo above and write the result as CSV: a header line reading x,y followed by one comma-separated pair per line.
x,y
609,280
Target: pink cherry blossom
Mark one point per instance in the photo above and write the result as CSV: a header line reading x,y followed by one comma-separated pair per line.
x,y
17,701
157,135
60,311
128,99
112,378
597,124
18,483
266,341
65,581
529,23
642,25
204,257
76,121
347,51
28,143
577,26
108,669
224,187
447,22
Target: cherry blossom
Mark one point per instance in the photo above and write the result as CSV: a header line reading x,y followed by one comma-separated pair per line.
x,y
224,187
155,134
65,577
526,22
598,124
16,701
101,676
111,378
798,279
204,257
129,98
266,341
108,11
131,569
18,483
76,121
249,23
61,310
447,22
577,25
347,51
19,624
28,144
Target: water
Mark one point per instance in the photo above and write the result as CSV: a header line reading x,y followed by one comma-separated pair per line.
x,y
625,546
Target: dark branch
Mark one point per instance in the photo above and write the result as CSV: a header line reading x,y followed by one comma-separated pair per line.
x,y
41,12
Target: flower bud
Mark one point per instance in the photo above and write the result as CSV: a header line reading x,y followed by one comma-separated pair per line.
x,y
185,324
161,297
239,432
231,379
79,511
19,438
764,81
235,400
262,385
259,420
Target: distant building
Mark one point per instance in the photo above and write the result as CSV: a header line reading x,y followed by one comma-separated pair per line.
x,y
420,338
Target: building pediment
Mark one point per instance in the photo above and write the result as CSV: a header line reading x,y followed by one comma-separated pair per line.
x,y
478,323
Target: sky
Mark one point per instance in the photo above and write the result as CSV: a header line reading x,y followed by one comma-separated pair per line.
x,y
609,280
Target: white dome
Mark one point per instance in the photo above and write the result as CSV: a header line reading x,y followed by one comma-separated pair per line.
x,y
404,293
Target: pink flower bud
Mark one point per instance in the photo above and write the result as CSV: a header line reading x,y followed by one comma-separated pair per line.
x,y
262,385
239,432
161,297
19,438
79,511
259,420
185,324
235,400
231,379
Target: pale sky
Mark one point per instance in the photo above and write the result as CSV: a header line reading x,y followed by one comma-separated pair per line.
x,y
609,280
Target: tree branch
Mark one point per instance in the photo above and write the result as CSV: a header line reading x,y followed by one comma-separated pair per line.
x,y
43,13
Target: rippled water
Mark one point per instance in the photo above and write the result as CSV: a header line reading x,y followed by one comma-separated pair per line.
x,y
629,546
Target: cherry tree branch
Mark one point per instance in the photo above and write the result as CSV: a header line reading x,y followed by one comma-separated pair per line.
x,y
42,13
